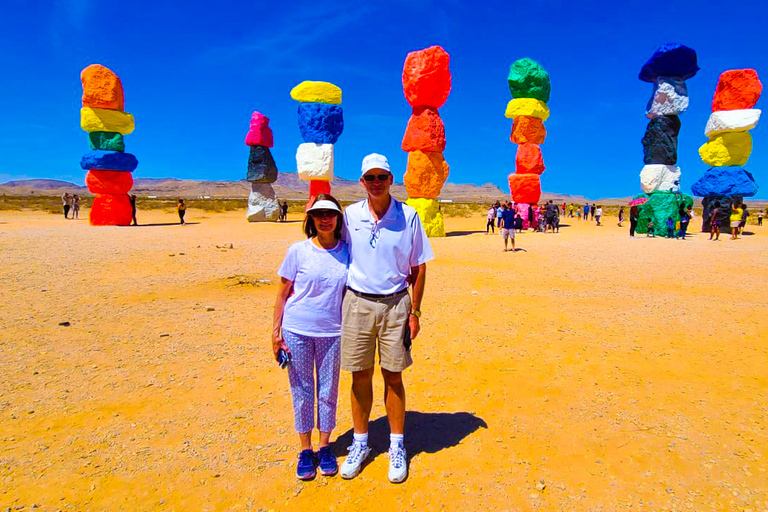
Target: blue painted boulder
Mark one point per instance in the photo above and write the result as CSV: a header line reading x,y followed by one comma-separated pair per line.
x,y
660,140
261,166
671,59
320,123
109,161
725,182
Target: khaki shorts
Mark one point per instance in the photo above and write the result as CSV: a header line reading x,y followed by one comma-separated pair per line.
x,y
366,321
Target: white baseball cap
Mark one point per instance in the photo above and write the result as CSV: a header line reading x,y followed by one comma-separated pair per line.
x,y
375,161
324,204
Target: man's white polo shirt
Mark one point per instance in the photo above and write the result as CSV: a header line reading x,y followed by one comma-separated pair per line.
x,y
382,253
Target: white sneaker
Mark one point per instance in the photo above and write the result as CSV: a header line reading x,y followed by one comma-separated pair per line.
x,y
398,466
353,464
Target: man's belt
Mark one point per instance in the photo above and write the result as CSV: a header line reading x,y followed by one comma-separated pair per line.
x,y
376,296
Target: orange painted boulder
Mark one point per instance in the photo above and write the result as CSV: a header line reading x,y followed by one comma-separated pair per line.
x,y
737,89
102,88
425,131
526,188
528,129
108,182
426,77
425,175
529,160
111,210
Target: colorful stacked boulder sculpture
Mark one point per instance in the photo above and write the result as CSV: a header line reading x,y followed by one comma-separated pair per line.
x,y
426,84
262,171
668,69
730,144
530,87
109,168
321,122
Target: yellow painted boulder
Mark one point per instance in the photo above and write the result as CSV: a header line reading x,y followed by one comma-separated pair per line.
x,y
102,120
727,149
317,92
430,215
527,107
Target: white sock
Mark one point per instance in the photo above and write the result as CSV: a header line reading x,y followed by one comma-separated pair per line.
x,y
396,440
361,439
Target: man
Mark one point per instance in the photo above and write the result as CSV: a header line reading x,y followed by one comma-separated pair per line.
x,y
592,211
508,227
66,202
132,198
586,211
388,250
550,213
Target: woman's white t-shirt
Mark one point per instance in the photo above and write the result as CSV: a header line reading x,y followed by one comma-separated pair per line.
x,y
319,277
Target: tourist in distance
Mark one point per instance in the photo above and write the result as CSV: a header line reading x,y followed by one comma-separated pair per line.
x,y
651,229
586,211
634,216
508,227
75,206
284,211
66,202
670,228
714,222
182,209
621,216
760,217
592,211
388,250
685,218
307,325
498,214
132,198
598,213
736,213
744,217
491,219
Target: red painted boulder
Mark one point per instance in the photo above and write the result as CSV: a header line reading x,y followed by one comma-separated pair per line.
x,y
317,187
737,89
102,88
426,77
525,188
528,129
108,182
260,133
111,210
425,131
529,160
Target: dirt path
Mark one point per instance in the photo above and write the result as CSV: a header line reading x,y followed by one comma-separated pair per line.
x,y
625,374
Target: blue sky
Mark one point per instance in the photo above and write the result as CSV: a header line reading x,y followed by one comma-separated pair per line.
x,y
193,73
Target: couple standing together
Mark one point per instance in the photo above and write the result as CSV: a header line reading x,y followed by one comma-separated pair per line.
x,y
342,293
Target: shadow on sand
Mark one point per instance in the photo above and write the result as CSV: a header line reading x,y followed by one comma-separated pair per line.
x,y
427,432
462,233
162,224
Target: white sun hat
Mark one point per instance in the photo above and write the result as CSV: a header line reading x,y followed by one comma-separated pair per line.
x,y
375,161
324,205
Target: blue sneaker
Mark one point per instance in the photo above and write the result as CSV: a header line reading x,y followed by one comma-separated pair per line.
x,y
327,461
305,469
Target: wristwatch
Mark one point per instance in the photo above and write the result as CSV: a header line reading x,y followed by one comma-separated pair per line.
x,y
416,313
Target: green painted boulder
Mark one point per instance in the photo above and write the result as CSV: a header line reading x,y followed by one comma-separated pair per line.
x,y
660,207
108,141
527,79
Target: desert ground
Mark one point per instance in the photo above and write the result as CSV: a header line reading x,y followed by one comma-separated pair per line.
x,y
624,374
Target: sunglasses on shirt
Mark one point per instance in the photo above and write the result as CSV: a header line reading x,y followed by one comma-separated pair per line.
x,y
372,177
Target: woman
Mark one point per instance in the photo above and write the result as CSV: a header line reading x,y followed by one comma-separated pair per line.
x,y
714,222
598,214
634,216
491,219
621,216
76,206
307,325
182,208
736,212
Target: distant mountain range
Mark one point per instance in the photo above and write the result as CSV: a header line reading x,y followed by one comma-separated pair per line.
x,y
288,186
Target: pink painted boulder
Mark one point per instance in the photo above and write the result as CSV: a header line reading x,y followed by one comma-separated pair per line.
x,y
260,133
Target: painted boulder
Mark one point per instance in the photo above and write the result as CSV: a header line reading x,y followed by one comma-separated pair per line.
x,y
725,181
111,210
527,107
262,204
317,92
660,178
315,161
429,214
670,97
427,77
320,123
526,188
425,131
528,79
317,187
528,159
109,160
737,89
260,134
425,175
102,88
108,141
671,59
527,129
261,166
108,182
727,149
103,120
726,121
660,140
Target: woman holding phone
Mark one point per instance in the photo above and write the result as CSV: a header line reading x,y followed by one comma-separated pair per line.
x,y
307,326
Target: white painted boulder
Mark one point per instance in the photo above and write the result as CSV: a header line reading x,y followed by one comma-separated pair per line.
x,y
670,97
262,204
660,178
725,121
315,161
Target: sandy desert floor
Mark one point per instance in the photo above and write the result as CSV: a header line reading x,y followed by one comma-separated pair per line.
x,y
623,373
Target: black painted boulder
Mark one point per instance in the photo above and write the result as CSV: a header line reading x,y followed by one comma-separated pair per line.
x,y
261,166
724,217
660,140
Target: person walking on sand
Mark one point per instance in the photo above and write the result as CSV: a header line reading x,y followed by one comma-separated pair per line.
x,y
736,213
388,250
670,228
598,213
744,217
634,216
132,199
592,211
685,218
508,227
66,202
498,214
586,211
284,210
307,327
75,206
760,217
182,208
714,222
490,219
531,218
621,216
